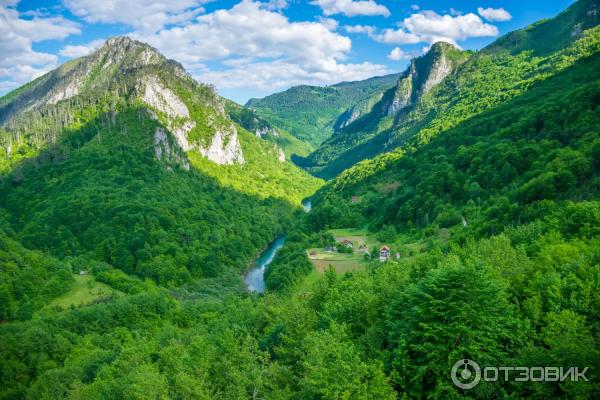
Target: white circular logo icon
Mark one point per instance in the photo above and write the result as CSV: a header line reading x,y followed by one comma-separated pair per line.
x,y
466,374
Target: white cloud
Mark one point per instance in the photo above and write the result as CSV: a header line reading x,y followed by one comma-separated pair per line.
x,y
494,14
275,4
329,23
260,49
148,15
19,62
396,36
276,75
369,30
81,50
351,8
430,27
248,30
415,7
398,54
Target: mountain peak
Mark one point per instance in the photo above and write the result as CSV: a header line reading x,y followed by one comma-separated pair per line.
x,y
122,41
442,46
116,61
127,53
424,73
131,74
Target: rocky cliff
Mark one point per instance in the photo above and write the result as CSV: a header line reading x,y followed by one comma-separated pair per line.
x,y
122,73
423,74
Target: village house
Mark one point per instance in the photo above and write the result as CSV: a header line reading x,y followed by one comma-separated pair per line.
x,y
384,253
347,243
355,199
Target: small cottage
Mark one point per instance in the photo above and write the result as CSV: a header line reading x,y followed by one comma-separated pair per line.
x,y
355,199
384,253
347,243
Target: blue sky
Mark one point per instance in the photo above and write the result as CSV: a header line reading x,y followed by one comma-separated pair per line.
x,y
252,48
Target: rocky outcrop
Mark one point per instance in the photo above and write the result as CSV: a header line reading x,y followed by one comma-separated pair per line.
x,y
280,154
156,95
127,73
168,152
223,147
424,74
362,108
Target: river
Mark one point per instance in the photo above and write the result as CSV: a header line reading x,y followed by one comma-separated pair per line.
x,y
307,204
255,278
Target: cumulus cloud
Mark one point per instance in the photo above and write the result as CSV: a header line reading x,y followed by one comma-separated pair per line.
x,y
275,51
147,15
19,62
398,54
329,23
396,36
275,4
430,27
369,30
351,8
73,51
278,74
494,14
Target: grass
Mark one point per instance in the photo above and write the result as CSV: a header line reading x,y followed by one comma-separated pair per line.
x,y
343,262
85,290
358,236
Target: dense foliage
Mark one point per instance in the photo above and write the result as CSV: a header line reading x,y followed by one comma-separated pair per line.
x,y
28,280
487,80
112,200
311,112
495,169
498,215
249,120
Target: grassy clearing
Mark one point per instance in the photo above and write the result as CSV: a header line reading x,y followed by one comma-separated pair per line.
x,y
85,290
341,262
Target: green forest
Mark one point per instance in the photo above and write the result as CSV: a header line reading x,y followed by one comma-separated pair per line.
x,y
124,247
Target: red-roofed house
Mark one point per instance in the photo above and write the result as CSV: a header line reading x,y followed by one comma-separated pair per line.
x,y
384,253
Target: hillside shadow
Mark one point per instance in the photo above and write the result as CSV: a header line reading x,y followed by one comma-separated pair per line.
x,y
99,192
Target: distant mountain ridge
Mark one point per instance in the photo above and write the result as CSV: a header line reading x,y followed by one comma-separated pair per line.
x,y
423,75
457,85
311,113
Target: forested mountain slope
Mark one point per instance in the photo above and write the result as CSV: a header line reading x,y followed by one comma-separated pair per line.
x,y
501,167
479,82
311,113
122,158
252,122
495,216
